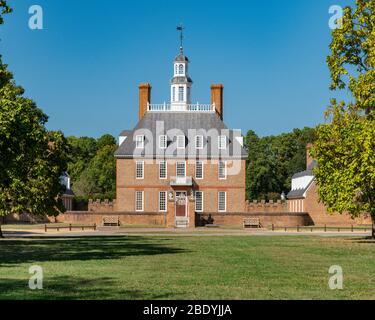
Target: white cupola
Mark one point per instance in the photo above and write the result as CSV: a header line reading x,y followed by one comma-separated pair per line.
x,y
181,82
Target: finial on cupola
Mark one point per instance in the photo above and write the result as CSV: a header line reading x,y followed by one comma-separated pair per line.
x,y
181,28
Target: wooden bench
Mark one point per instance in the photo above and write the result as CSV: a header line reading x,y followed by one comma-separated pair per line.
x,y
251,223
111,221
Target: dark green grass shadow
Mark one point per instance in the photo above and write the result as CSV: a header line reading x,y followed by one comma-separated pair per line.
x,y
82,249
72,288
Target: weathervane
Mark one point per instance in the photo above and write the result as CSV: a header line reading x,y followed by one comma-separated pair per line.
x,y
181,28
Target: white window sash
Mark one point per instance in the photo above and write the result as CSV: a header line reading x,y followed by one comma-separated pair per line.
x,y
166,170
196,170
222,142
142,163
165,201
177,168
140,142
202,201
199,142
137,193
225,202
163,142
181,143
225,170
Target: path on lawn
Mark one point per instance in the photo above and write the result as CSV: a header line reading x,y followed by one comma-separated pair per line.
x,y
160,232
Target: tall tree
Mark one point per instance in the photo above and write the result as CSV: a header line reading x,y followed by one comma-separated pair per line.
x,y
32,159
345,146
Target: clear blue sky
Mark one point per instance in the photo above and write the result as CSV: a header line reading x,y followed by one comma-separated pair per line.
x,y
84,68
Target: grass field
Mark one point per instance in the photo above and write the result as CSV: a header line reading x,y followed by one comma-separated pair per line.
x,y
168,267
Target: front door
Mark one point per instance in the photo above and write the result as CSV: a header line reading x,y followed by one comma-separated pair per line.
x,y
182,220
181,204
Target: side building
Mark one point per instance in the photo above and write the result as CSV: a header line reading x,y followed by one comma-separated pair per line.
x,y
304,198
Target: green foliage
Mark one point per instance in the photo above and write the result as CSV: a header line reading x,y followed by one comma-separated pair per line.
x,y
273,161
352,58
345,145
92,167
345,153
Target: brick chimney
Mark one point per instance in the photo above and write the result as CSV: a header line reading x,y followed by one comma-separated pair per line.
x,y
309,158
144,98
217,99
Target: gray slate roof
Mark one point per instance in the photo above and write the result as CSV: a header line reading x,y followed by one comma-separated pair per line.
x,y
181,58
180,79
298,193
180,123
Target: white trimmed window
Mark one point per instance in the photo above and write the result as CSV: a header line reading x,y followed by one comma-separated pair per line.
x,y
139,169
140,142
198,142
222,201
163,142
163,201
222,169
181,69
198,201
139,201
199,169
181,142
181,93
181,169
163,169
222,142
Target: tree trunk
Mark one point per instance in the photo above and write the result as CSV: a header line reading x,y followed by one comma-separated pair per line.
x,y
1,232
373,225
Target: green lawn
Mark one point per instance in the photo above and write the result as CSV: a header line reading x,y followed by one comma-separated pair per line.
x,y
168,267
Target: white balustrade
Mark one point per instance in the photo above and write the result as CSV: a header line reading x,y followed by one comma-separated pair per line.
x,y
181,108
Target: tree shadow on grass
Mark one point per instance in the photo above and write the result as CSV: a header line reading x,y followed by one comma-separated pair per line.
x,y
74,288
364,240
81,248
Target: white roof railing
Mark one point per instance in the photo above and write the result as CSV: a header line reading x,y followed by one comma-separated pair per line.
x,y
181,107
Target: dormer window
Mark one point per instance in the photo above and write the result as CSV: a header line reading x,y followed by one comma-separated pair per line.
x,y
140,142
181,142
198,142
163,142
181,69
222,142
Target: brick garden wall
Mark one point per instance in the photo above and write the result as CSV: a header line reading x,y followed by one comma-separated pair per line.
x,y
278,219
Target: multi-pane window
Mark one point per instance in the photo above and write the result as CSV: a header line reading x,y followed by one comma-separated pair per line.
x,y
163,169
198,142
181,144
140,142
181,69
139,169
222,142
181,169
181,92
163,201
163,142
199,169
174,94
222,201
139,201
199,201
222,170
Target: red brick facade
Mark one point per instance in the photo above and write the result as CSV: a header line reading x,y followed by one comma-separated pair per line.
x,y
151,185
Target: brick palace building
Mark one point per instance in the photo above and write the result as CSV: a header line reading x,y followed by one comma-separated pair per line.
x,y
181,159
